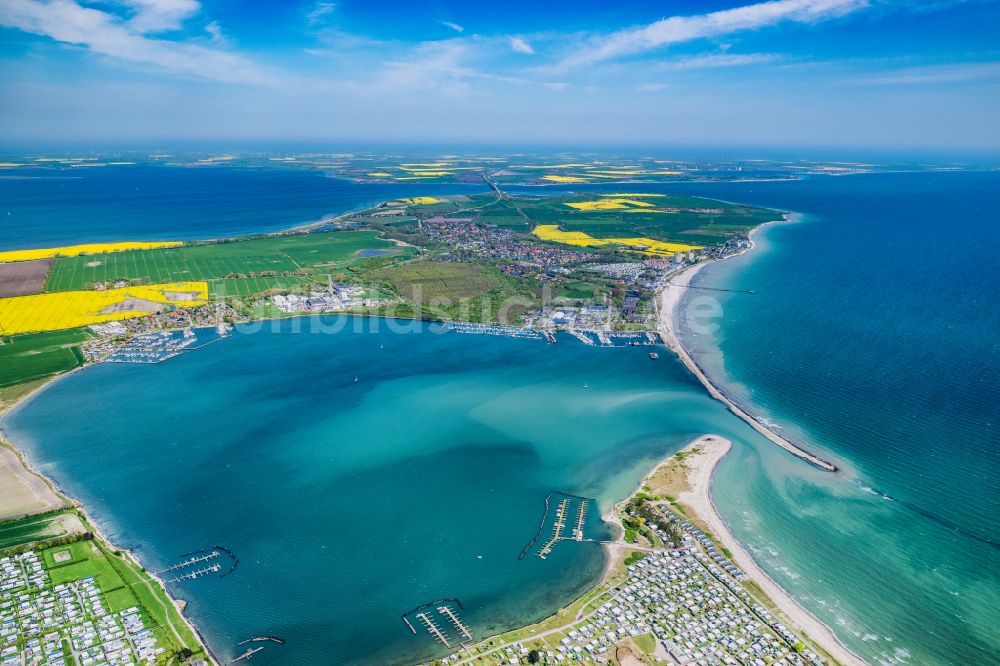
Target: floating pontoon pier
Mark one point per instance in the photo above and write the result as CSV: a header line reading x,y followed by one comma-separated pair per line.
x,y
433,629
564,508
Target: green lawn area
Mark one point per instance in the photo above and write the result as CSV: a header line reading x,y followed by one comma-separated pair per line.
x,y
457,291
646,643
38,528
27,357
287,254
435,280
124,585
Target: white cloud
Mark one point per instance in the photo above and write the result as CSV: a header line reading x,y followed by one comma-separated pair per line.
x,y
429,65
519,45
161,15
713,60
108,35
935,74
679,29
454,26
650,87
319,10
215,32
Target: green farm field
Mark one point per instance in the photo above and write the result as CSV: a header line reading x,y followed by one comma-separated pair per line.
x,y
436,280
41,527
690,220
36,355
286,254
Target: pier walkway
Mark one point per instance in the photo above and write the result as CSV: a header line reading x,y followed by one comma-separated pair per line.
x,y
453,618
433,629
191,575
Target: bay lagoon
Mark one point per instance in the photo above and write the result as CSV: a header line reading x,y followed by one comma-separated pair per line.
x,y
351,502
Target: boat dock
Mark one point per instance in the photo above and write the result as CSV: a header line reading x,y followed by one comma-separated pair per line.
x,y
198,573
557,528
190,562
495,329
453,618
581,337
581,517
246,655
433,629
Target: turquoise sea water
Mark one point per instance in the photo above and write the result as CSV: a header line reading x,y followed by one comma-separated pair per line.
x,y
871,337
349,503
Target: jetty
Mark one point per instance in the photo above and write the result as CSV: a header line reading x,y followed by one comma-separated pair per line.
x,y
453,618
557,528
433,629
246,655
188,563
197,573
674,344
581,517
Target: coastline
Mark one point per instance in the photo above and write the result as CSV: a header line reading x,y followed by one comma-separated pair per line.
x,y
671,296
698,498
668,299
29,470
693,488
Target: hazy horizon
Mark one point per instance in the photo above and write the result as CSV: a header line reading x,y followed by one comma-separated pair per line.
x,y
852,76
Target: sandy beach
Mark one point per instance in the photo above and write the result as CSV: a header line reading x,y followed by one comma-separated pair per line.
x,y
697,498
668,300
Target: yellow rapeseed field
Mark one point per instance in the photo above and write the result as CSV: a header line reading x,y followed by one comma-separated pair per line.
x,y
426,174
564,179
69,309
631,194
422,200
380,174
609,204
75,250
650,246
547,166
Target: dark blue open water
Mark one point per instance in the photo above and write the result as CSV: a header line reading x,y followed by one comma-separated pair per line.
x,y
43,207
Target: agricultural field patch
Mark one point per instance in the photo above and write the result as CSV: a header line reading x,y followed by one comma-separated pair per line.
x,y
435,280
27,357
254,257
72,309
78,250
42,527
21,278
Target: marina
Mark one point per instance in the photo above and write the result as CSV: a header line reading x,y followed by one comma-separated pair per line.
x,y
567,508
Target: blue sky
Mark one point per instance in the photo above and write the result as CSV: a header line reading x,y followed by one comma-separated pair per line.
x,y
852,74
